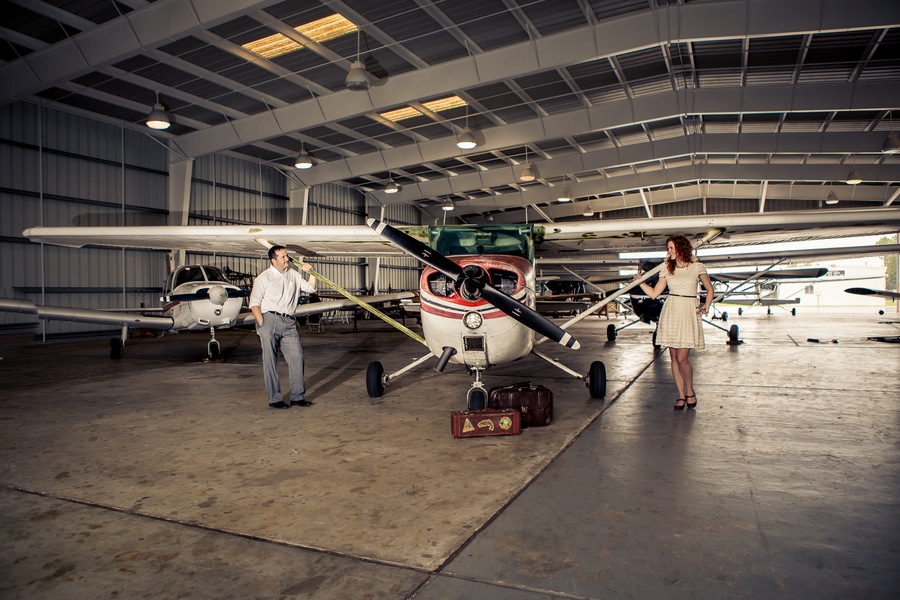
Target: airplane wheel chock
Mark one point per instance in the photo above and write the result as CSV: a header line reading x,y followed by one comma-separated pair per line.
x,y
611,332
596,379
375,380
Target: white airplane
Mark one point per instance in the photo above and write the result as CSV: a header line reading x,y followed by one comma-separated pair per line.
x,y
477,290
196,298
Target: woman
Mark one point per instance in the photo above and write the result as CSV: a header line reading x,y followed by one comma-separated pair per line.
x,y
680,327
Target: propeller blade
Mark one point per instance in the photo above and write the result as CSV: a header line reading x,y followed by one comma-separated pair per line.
x,y
528,317
474,280
413,246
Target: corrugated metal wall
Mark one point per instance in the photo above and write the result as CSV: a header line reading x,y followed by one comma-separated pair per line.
x,y
59,169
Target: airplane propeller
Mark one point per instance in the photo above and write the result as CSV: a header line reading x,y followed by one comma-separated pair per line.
x,y
472,282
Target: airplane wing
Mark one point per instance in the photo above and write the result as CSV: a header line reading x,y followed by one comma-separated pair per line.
x,y
780,275
305,240
555,241
82,315
760,301
631,235
867,292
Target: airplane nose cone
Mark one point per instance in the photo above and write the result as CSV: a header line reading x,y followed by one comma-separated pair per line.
x,y
218,295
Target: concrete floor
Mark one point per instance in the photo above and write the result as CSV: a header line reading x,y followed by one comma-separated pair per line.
x,y
164,476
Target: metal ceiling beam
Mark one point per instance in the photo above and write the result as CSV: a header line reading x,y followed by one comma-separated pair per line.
x,y
778,176
123,37
608,38
763,99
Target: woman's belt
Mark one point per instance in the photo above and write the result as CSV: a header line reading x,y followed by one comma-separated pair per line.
x,y
683,296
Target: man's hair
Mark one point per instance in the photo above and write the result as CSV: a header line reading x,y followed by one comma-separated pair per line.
x,y
273,250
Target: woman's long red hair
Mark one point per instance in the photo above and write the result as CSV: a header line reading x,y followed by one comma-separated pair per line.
x,y
683,249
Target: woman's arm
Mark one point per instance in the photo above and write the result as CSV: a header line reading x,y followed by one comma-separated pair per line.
x,y
653,292
710,292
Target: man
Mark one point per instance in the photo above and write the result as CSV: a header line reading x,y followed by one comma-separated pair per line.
x,y
273,301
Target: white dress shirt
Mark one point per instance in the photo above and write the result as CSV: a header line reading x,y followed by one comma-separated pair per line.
x,y
274,291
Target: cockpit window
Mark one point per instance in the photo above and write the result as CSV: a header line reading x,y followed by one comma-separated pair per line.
x,y
511,240
215,274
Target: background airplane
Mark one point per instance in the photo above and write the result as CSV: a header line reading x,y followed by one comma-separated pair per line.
x,y
196,298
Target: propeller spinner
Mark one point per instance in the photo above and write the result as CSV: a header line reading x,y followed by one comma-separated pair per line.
x,y
472,282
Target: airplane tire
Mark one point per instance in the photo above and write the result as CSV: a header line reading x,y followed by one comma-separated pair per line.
x,y
724,317
375,380
476,399
655,345
597,379
611,332
733,334
793,312
740,311
115,348
214,352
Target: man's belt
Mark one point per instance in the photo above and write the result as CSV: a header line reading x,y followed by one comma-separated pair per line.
x,y
287,316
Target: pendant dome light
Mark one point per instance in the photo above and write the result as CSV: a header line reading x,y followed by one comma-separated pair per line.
x,y
527,173
159,118
564,195
357,77
391,187
304,160
466,140
832,198
854,178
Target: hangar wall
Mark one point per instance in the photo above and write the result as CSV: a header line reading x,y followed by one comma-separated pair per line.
x,y
61,169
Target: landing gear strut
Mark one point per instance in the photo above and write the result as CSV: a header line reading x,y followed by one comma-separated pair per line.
x,y
213,350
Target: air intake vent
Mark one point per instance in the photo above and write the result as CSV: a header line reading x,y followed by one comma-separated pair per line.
x,y
473,344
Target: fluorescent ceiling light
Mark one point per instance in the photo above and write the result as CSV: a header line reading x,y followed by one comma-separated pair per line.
x,y
320,31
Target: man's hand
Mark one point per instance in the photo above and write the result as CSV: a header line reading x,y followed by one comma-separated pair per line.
x,y
305,266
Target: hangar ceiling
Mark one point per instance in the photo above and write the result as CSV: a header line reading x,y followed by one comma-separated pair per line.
x,y
630,107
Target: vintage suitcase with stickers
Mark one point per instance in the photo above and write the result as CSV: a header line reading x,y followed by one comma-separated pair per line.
x,y
534,401
478,423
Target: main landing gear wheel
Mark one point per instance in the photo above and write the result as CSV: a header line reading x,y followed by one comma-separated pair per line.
x,y
793,312
724,317
597,379
611,332
115,348
375,380
740,311
733,335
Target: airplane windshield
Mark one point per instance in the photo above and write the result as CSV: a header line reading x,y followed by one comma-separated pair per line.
x,y
215,274
513,240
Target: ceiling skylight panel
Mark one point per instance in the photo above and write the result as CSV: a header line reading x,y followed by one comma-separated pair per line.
x,y
320,30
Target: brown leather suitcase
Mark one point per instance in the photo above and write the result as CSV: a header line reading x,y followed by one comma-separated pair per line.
x,y
535,402
477,423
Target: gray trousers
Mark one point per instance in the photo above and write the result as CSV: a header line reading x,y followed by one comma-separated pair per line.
x,y
281,332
